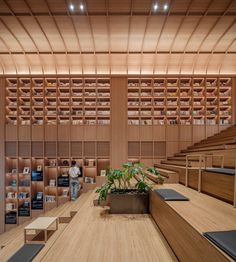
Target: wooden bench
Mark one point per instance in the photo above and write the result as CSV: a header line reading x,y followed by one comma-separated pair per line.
x,y
183,223
40,224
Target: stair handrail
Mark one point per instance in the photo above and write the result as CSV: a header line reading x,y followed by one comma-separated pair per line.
x,y
202,158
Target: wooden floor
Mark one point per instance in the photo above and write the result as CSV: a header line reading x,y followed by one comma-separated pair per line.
x,y
94,235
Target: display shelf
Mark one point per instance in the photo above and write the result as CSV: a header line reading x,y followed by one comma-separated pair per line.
x,y
183,101
52,101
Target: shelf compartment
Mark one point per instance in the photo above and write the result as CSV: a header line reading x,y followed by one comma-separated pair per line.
x,y
133,83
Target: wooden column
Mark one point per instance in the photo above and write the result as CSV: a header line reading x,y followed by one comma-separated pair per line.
x,y
234,101
2,154
118,121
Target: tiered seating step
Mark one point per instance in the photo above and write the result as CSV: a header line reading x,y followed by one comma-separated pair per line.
x,y
183,223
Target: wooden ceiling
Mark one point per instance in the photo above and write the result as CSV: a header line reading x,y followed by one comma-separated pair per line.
x,y
118,37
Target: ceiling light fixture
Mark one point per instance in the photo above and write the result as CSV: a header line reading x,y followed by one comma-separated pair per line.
x,y
155,7
72,7
165,7
81,7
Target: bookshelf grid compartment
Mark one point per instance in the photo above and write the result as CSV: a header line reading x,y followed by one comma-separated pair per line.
x,y
179,101
41,171
62,101
50,121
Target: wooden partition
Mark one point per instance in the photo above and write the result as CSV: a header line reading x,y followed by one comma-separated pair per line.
x,y
118,123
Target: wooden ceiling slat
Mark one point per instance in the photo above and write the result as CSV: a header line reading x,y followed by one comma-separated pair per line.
x,y
109,33
194,30
19,43
161,32
218,41
28,34
214,25
92,34
76,35
39,25
109,29
177,32
58,29
128,39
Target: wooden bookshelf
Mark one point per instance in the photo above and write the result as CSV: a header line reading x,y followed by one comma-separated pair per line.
x,y
175,111
184,101
48,123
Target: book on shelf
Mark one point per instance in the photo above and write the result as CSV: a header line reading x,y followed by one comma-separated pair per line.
x,y
52,182
23,195
11,195
103,172
39,196
89,180
50,198
65,192
10,206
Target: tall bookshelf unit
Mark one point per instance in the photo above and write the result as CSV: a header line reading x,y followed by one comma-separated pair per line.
x,y
167,114
48,123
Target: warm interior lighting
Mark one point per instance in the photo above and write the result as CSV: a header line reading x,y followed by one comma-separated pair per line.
x,y
81,7
72,7
155,7
165,7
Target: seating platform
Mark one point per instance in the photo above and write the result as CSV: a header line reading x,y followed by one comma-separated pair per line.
x,y
184,222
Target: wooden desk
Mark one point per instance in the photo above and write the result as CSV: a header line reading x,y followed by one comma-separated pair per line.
x,y
41,224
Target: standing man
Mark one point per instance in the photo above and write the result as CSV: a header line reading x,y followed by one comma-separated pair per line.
x,y
74,173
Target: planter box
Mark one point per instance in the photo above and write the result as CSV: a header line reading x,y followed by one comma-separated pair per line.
x,y
129,203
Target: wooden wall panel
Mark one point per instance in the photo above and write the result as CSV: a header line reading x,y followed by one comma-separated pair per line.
x,y
118,125
2,162
103,133
37,133
185,133
90,133
24,133
77,133
159,133
64,132
172,133
198,132
146,133
50,132
133,133
211,130
172,148
11,132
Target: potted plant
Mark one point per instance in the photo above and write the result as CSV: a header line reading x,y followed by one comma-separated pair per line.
x,y
158,178
126,196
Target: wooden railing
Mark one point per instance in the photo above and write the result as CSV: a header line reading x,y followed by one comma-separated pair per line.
x,y
203,164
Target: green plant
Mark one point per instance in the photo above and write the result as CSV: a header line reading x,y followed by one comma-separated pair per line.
x,y
120,180
154,171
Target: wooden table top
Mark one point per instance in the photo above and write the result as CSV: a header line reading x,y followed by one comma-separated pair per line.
x,y
41,223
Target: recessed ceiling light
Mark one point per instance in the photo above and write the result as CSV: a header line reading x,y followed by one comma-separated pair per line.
x,y
165,7
155,7
72,7
81,7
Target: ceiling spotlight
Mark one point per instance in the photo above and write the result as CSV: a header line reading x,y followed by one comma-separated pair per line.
x,y
81,7
155,7
72,7
165,7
